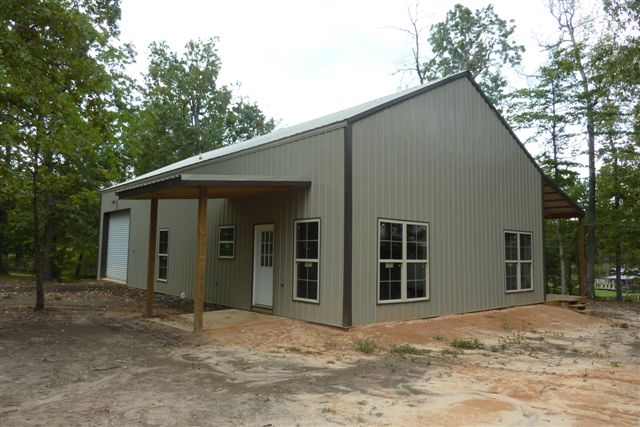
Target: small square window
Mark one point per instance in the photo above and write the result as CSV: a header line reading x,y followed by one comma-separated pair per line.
x,y
226,241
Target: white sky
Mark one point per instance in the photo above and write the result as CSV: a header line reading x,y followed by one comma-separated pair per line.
x,y
302,59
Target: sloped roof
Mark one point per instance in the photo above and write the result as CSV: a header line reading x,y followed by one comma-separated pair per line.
x,y
347,115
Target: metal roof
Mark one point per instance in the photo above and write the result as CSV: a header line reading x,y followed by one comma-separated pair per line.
x,y
349,114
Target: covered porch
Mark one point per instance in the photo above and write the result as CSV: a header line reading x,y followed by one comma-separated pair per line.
x,y
201,187
557,205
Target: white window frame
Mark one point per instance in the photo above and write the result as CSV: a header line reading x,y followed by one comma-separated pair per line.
x,y
404,261
518,262
296,260
159,254
233,242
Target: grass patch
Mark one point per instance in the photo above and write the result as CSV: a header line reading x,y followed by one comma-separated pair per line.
x,y
614,363
403,349
365,346
446,352
505,324
473,344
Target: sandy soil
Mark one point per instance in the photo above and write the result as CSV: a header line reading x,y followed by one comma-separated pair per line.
x,y
91,359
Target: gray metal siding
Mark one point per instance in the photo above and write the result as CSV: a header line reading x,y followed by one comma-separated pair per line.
x,y
229,282
443,158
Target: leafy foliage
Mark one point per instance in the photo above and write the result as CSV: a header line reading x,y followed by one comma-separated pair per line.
x,y
185,111
477,41
61,93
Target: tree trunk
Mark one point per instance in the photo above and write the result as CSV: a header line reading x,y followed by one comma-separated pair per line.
x,y
4,207
47,259
37,240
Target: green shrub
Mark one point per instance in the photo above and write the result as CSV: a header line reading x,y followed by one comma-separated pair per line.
x,y
467,344
365,346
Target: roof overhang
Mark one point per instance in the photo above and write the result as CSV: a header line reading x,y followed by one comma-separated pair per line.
x,y
557,204
187,186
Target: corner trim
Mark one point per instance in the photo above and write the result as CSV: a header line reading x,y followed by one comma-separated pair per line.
x,y
347,286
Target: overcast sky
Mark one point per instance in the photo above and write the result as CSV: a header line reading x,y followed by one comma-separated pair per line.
x,y
302,59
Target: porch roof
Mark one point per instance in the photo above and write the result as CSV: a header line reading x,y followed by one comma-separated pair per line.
x,y
187,186
557,204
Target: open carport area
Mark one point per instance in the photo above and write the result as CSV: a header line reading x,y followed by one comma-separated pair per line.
x,y
92,359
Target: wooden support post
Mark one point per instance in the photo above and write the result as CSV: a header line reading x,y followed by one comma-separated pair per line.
x,y
198,307
581,258
151,258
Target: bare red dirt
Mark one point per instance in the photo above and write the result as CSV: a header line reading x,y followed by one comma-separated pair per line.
x,y
91,359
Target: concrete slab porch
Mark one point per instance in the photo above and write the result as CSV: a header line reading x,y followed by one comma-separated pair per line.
x,y
219,319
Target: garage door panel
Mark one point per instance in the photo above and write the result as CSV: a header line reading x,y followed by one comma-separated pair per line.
x,y
118,246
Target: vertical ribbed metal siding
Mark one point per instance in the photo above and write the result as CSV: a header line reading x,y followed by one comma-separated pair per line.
x,y
319,157
443,158
229,282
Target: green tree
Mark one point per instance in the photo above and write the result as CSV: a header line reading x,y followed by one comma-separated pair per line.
x,y
185,111
545,109
476,41
62,96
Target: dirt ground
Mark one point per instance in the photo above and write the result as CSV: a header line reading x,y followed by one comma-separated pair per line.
x,y
91,359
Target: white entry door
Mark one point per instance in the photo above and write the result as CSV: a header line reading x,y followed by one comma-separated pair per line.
x,y
263,265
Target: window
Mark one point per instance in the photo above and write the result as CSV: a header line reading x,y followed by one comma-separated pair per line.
x,y
403,261
226,241
266,248
307,247
163,254
517,261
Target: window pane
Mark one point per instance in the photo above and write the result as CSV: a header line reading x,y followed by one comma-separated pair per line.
x,y
226,249
301,289
525,247
512,276
312,249
163,242
385,231
421,233
396,232
312,230
412,251
395,290
301,249
312,270
396,250
385,250
416,289
162,267
511,246
422,251
301,231
227,234
384,291
312,290
525,275
390,285
301,270
411,233
411,272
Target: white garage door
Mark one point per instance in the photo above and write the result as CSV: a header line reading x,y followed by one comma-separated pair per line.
x,y
118,246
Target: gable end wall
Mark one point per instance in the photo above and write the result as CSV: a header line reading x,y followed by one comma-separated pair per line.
x,y
444,158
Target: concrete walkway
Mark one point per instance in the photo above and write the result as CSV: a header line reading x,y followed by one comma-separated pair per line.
x,y
219,319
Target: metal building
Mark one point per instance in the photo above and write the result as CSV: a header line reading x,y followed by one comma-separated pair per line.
x,y
418,204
